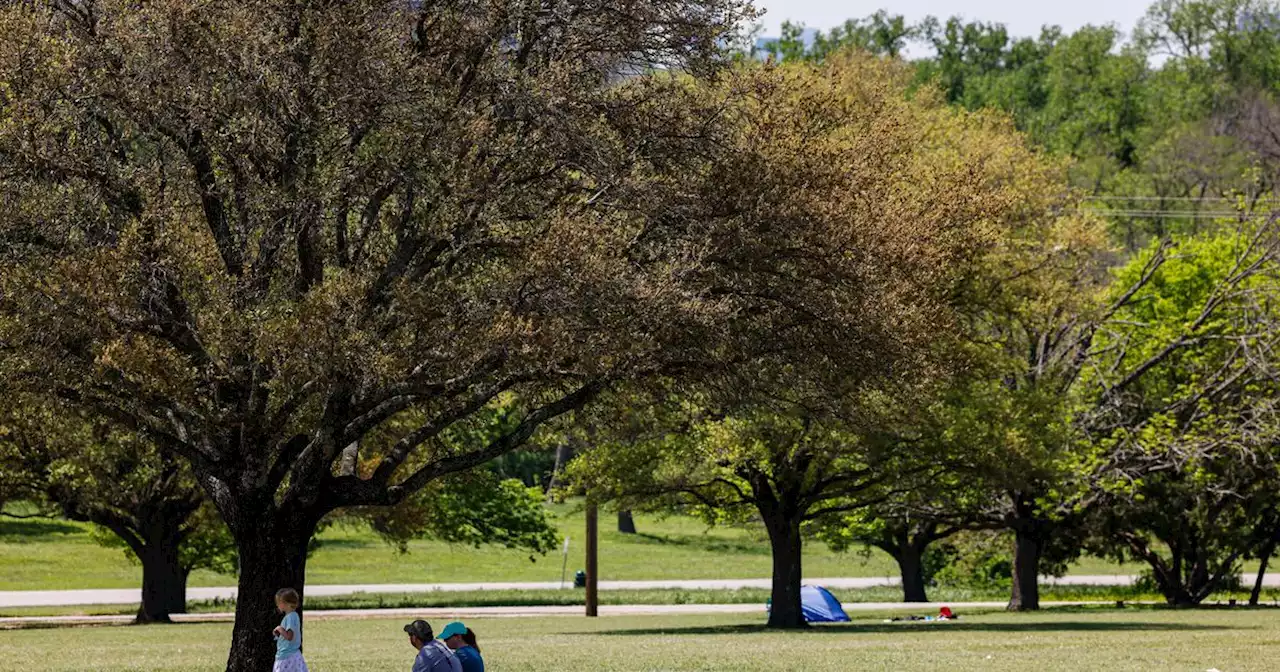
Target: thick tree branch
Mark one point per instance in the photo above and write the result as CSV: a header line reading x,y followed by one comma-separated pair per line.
x,y
500,446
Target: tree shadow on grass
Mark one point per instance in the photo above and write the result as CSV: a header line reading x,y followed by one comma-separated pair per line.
x,y
35,528
343,542
705,543
919,627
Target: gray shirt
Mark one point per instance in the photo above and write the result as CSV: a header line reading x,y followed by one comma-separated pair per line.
x,y
434,656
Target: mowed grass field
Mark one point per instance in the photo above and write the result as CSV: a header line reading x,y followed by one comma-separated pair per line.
x,y
55,554
47,555
995,594
1147,639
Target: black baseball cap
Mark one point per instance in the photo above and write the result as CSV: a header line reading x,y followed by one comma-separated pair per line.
x,y
420,629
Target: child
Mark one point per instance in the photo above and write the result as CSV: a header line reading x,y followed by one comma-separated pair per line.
x,y
288,634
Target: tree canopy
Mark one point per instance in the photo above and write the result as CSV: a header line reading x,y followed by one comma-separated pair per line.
x,y
90,470
796,451
260,233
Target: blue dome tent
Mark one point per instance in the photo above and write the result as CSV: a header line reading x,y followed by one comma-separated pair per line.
x,y
819,606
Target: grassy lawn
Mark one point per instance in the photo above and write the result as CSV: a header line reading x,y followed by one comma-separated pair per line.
x,y
671,548
46,555
1147,639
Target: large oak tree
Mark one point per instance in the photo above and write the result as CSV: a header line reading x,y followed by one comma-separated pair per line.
x,y
795,448
87,470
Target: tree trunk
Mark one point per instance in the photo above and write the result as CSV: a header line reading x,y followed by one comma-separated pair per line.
x,y
1168,576
1026,572
164,584
1180,598
564,455
626,523
1189,577
155,536
273,555
785,544
1263,559
911,565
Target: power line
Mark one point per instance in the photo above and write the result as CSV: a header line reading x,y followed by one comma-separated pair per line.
x,y
1207,199
1170,214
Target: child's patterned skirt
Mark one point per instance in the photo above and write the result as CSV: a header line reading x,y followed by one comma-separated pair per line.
x,y
294,663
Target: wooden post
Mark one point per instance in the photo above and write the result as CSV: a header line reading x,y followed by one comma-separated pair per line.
x,y
593,565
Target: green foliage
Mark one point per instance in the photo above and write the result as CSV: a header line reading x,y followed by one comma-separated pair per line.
x,y
967,57
1235,38
1164,147
1153,124
209,545
477,508
531,466
1094,107
92,471
1205,298
882,34
1189,483
108,295
975,559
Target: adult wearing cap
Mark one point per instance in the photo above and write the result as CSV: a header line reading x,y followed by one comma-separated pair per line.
x,y
462,641
433,655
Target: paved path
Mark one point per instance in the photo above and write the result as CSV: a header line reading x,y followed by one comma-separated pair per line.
x,y
62,598
451,613
58,598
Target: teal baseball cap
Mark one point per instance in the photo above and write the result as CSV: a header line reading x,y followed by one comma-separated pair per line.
x,y
454,628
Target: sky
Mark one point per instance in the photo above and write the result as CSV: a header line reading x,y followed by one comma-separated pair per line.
x,y
1023,17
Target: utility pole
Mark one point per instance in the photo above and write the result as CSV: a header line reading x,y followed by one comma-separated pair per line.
x,y
593,564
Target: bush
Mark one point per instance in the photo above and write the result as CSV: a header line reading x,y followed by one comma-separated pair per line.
x,y
972,560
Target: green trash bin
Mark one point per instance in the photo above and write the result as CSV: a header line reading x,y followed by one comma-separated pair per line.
x,y
579,579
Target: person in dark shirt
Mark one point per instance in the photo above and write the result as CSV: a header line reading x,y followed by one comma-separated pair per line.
x,y
462,640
